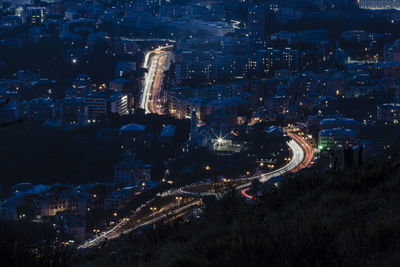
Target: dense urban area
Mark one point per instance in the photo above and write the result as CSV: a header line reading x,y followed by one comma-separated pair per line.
x,y
199,133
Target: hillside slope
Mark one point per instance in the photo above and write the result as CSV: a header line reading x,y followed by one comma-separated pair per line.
x,y
347,218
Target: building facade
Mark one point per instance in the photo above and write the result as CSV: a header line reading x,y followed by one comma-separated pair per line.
x,y
389,112
336,138
131,171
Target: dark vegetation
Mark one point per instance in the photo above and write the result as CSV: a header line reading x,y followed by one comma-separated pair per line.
x,y
30,244
341,218
336,219
37,154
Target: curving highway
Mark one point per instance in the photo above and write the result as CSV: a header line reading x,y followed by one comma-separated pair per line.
x,y
302,155
308,152
157,61
133,222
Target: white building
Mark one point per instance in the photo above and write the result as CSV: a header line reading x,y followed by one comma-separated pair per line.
x,y
105,102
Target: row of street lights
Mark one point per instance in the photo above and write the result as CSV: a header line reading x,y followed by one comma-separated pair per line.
x,y
262,164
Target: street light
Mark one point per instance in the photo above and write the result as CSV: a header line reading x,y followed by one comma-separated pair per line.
x,y
153,209
207,167
178,199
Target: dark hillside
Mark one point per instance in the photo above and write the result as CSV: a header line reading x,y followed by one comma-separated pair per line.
x,y
347,218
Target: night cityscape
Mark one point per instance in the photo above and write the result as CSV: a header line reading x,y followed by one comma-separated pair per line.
x,y
200,133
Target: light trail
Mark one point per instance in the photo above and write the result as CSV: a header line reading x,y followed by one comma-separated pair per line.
x,y
297,157
156,61
308,150
123,226
146,59
235,24
244,193
299,161
302,155
148,82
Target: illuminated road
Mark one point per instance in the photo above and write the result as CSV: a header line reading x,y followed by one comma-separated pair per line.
x,y
156,61
129,224
308,151
302,155
297,158
148,80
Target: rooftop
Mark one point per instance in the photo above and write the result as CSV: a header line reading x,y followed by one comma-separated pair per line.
x,y
395,105
133,127
337,132
342,121
130,164
168,131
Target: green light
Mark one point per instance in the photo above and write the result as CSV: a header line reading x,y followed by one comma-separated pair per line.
x,y
320,147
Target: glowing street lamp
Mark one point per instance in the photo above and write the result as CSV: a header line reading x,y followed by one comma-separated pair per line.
x,y
153,209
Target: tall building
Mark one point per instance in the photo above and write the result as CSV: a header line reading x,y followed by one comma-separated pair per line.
x,y
388,112
256,28
34,14
392,52
73,110
131,171
269,59
105,102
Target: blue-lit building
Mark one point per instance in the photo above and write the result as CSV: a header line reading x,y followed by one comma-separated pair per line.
x,y
336,138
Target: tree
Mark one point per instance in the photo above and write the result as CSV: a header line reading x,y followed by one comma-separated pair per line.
x,y
8,123
360,156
